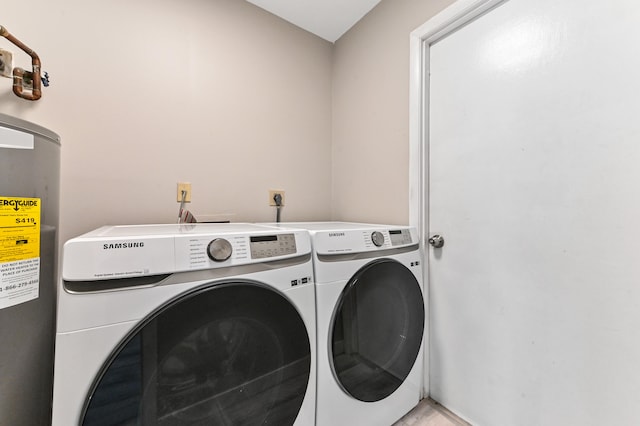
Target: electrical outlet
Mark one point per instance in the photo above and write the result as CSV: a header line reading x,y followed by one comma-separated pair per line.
x,y
272,193
184,186
6,63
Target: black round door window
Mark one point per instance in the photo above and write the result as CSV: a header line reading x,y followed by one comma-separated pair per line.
x,y
377,330
230,354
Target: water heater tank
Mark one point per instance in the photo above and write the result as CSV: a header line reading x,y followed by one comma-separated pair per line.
x,y
29,208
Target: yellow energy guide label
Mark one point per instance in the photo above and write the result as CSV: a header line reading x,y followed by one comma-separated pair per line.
x,y
19,250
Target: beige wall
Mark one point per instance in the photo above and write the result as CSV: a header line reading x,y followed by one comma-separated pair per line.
x,y
370,166
147,93
223,95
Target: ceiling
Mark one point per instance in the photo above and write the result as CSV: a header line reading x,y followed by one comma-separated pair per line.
x,y
328,19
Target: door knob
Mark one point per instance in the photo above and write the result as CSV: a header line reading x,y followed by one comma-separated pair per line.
x,y
436,241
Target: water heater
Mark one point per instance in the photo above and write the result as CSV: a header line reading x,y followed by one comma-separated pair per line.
x,y
29,208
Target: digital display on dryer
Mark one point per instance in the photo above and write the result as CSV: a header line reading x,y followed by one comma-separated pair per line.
x,y
400,237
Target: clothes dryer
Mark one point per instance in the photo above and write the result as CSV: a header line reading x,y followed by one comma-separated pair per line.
x,y
186,325
371,318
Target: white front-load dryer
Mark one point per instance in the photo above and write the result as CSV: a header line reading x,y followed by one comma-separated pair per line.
x,y
371,321
195,324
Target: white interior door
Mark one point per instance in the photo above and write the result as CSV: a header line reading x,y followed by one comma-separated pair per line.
x,y
534,182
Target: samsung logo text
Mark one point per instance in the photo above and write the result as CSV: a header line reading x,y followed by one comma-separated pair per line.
x,y
113,246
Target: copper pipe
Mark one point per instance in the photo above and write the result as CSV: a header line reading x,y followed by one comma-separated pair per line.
x,y
19,73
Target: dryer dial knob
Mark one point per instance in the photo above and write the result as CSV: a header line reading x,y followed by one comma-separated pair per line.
x,y
377,238
219,250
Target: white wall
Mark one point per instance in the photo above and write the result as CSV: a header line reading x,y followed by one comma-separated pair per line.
x,y
147,93
370,165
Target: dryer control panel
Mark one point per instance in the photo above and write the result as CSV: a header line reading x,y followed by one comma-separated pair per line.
x,y
363,240
400,237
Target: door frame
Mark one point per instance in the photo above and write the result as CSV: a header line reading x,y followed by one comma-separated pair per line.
x,y
441,25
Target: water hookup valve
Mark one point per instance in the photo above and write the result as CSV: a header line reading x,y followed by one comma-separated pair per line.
x,y
26,84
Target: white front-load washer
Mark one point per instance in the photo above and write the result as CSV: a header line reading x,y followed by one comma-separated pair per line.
x,y
371,320
194,324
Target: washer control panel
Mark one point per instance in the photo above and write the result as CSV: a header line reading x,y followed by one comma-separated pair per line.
x,y
201,252
264,246
114,252
377,238
219,250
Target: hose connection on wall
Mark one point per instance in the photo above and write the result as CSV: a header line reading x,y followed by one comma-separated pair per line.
x,y
32,80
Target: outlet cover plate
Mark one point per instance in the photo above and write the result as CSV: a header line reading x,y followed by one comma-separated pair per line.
x,y
186,186
272,193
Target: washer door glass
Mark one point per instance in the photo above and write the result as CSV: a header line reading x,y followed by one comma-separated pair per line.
x,y
230,354
377,330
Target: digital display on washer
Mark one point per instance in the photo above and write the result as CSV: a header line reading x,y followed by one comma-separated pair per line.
x,y
264,246
400,237
264,238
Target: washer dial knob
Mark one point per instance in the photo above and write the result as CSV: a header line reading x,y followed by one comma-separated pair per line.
x,y
219,250
377,238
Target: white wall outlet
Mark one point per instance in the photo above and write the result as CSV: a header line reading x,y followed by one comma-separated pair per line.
x,y
184,186
272,194
6,63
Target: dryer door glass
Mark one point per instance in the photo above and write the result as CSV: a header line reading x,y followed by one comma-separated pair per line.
x,y
377,330
231,354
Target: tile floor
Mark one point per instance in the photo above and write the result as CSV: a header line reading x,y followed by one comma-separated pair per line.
x,y
429,413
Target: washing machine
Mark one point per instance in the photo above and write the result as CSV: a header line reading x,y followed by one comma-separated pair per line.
x,y
192,324
371,319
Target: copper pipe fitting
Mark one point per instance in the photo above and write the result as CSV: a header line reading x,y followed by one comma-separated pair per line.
x,y
18,73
